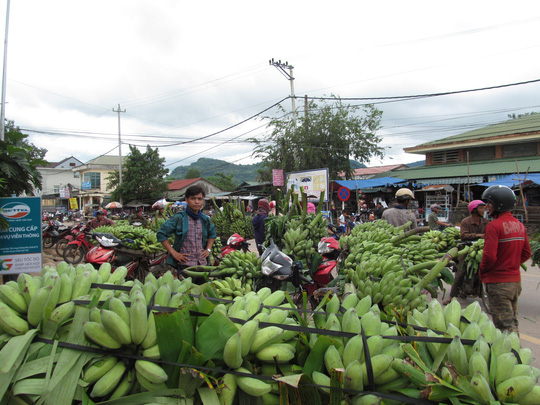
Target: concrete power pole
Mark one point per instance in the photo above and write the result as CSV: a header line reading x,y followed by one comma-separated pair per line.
x,y
119,147
3,108
289,75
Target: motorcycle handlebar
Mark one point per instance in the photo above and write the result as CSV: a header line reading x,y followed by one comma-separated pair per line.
x,y
306,280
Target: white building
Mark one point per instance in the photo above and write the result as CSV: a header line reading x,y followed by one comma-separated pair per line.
x,y
59,181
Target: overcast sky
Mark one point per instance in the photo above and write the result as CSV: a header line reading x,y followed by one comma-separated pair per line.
x,y
185,70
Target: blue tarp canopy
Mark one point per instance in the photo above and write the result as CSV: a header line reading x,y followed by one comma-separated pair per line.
x,y
512,180
370,183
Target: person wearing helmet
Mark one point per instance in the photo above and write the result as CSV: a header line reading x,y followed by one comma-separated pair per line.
x,y
433,218
506,246
471,228
99,220
399,214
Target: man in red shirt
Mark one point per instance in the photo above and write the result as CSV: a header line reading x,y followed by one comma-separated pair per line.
x,y
506,247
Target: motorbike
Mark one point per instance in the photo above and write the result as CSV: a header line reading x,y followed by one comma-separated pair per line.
x,y
112,250
234,243
52,232
67,236
278,268
330,250
76,250
335,231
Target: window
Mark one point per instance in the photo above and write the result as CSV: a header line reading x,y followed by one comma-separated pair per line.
x,y
484,153
520,149
445,156
72,164
94,179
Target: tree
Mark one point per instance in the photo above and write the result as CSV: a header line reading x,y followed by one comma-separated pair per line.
x,y
515,117
327,137
223,181
142,176
193,173
19,160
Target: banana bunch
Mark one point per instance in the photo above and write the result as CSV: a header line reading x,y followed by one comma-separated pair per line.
x,y
231,220
240,264
348,355
231,287
302,236
149,244
474,257
495,367
256,344
216,248
46,300
443,240
114,326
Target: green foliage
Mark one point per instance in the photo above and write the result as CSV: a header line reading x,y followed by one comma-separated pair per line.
x,y
142,176
19,161
329,136
193,173
223,181
209,167
518,116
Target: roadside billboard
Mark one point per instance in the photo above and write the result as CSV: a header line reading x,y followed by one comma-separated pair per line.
x,y
311,181
20,244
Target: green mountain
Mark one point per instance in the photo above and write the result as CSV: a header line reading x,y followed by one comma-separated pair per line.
x,y
209,167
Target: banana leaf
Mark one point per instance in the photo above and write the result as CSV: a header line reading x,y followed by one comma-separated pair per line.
x,y
212,335
300,389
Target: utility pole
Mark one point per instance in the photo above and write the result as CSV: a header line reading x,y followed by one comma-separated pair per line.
x,y
3,108
289,75
119,147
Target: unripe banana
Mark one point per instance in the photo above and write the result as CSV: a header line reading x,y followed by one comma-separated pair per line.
x,y
229,390
151,371
353,378
232,352
513,389
532,398
109,381
97,333
380,363
280,352
457,356
265,337
115,326
98,368
62,312
332,359
252,386
353,350
14,298
322,381
247,334
138,321
504,365
10,321
27,286
118,306
152,353
125,386
151,334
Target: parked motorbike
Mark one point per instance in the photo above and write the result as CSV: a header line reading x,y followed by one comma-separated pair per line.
x,y
234,243
330,250
112,250
76,250
335,231
67,236
51,232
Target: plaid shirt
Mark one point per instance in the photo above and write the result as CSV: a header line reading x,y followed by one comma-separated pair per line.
x,y
193,244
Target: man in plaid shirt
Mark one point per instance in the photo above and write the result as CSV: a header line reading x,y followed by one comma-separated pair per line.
x,y
194,234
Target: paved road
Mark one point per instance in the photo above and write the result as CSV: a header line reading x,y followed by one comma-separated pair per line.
x,y
528,310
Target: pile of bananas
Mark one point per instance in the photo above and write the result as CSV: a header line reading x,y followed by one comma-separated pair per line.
x,y
474,257
143,239
494,368
302,236
232,220
241,264
443,240
48,299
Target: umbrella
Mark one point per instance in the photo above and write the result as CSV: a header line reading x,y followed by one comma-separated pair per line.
x,y
136,204
113,204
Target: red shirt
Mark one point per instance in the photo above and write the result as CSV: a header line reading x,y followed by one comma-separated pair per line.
x,y
506,247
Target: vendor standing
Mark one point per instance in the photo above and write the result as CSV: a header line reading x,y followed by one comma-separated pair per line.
x,y
433,219
194,233
400,214
263,207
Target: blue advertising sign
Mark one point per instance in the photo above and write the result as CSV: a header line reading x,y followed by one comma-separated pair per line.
x,y
20,244
86,185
